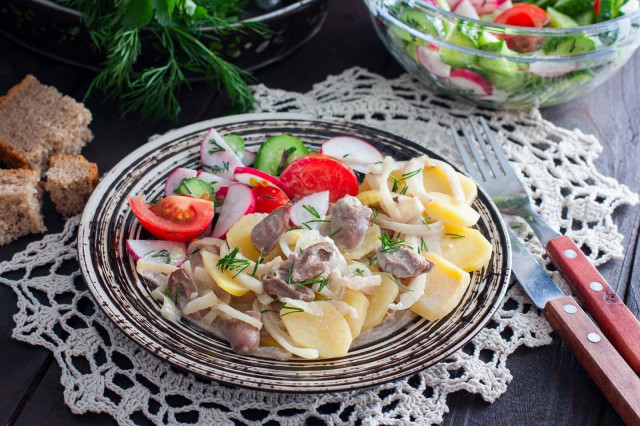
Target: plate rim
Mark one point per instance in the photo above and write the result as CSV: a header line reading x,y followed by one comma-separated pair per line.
x,y
143,340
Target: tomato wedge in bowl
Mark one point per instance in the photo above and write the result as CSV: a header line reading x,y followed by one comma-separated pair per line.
x,y
173,218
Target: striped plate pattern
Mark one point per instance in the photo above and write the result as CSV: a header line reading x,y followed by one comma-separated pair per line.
x,y
107,222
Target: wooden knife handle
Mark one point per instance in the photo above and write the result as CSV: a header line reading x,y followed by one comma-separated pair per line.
x,y
616,321
599,358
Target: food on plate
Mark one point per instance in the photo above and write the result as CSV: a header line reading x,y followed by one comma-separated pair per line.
x,y
490,64
309,274
20,204
70,182
36,122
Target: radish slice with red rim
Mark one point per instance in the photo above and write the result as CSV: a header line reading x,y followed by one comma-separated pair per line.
x,y
160,251
471,82
176,177
254,177
430,60
238,202
357,153
311,210
217,156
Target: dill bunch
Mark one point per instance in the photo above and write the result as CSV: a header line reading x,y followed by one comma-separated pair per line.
x,y
173,28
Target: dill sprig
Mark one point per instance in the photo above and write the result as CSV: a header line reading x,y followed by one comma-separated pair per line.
x,y
230,263
173,295
389,245
397,283
315,280
172,28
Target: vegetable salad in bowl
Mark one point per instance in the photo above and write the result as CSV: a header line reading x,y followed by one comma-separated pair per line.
x,y
291,252
504,54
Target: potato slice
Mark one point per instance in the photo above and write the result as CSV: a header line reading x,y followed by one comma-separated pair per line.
x,y
240,235
370,243
446,284
329,333
224,279
444,208
436,181
379,302
370,198
360,303
466,248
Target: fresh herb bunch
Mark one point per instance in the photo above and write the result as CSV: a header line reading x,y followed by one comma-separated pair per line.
x,y
173,28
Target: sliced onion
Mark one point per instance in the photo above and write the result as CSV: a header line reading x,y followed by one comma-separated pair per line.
x,y
410,208
272,325
157,273
385,194
273,352
345,309
311,308
234,313
364,284
168,310
420,230
210,317
415,183
408,298
247,281
208,300
264,298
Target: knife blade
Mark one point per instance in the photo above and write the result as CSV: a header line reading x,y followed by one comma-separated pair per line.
x,y
592,349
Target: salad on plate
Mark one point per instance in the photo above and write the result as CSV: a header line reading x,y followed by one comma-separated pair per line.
x,y
290,252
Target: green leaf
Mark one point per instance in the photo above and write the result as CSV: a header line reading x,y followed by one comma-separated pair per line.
x,y
137,14
164,10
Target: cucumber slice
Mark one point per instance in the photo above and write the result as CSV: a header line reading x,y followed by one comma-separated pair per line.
x,y
572,8
587,17
499,66
560,20
569,46
270,156
462,37
197,188
236,143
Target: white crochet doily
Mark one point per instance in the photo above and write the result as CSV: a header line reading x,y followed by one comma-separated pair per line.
x,y
104,371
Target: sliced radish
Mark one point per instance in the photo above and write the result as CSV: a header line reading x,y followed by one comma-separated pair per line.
x,y
357,153
248,158
472,82
303,211
159,251
552,69
239,202
254,177
430,60
486,6
217,156
175,179
218,183
466,9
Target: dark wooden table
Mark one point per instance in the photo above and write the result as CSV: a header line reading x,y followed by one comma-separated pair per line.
x,y
548,385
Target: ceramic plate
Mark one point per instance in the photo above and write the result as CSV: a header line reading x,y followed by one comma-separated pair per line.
x,y
110,273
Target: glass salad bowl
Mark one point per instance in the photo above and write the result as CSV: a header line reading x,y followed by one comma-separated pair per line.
x,y
503,66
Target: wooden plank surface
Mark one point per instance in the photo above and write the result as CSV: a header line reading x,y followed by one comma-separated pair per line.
x,y
548,385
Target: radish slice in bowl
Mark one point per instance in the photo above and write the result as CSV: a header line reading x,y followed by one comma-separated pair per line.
x,y
309,210
248,158
217,156
160,251
357,153
430,60
472,82
254,177
239,202
466,9
175,179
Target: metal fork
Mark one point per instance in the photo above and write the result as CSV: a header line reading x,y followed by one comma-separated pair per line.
x,y
491,169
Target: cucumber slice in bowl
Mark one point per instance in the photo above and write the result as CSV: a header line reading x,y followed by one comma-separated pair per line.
x,y
277,152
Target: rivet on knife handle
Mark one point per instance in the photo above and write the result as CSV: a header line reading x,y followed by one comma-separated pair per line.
x,y
616,321
605,366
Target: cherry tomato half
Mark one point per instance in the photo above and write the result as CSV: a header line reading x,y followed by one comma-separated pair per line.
x,y
173,218
268,198
523,15
316,173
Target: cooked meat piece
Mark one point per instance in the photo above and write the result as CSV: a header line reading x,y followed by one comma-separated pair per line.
x,y
209,244
266,233
243,337
524,44
403,263
277,284
180,280
316,261
349,222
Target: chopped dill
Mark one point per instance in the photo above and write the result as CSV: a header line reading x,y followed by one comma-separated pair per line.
x,y
172,295
230,263
454,236
374,216
255,268
163,254
359,272
336,231
269,197
397,283
216,147
311,210
389,245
